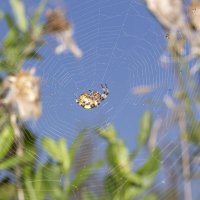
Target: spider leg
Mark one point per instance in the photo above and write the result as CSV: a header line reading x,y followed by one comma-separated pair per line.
x,y
76,99
98,102
105,89
105,93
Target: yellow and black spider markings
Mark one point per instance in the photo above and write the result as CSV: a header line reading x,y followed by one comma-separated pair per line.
x,y
92,99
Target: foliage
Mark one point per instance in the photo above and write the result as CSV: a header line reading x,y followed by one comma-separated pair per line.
x,y
53,178
122,182
22,39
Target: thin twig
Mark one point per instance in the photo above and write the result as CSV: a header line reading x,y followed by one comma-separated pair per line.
x,y
19,152
185,157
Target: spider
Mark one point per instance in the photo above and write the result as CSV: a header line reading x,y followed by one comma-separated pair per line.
x,y
92,99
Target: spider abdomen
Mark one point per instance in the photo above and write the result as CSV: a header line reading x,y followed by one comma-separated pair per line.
x,y
92,99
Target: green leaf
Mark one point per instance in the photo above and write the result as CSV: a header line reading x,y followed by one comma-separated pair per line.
x,y
112,184
12,34
84,174
38,12
6,140
149,170
118,156
134,153
20,15
36,27
76,144
145,128
34,55
51,147
58,151
29,155
13,161
38,183
109,133
132,192
7,191
15,49
10,21
51,181
152,163
29,183
87,195
10,38
29,138
193,132
119,161
64,155
150,197
29,145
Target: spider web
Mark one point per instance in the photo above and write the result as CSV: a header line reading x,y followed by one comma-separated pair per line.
x,y
122,44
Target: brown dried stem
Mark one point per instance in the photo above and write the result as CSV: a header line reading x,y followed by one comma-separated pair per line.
x,y
185,156
19,152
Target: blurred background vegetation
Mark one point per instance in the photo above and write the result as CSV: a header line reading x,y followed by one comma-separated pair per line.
x,y
59,176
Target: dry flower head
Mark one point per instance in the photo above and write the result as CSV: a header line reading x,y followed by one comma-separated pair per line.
x,y
62,29
142,89
168,12
195,44
56,21
176,43
23,94
194,14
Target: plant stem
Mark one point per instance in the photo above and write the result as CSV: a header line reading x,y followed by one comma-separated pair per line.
x,y
19,152
185,157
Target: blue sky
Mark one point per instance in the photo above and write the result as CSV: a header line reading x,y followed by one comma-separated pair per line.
x,y
122,44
